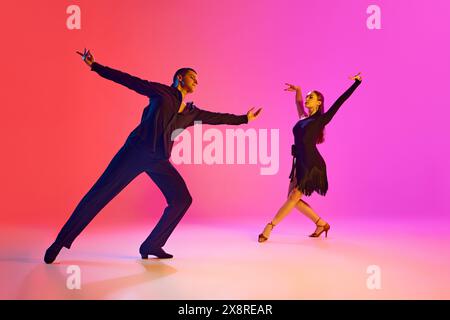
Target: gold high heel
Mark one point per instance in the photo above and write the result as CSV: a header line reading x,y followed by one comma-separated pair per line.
x,y
262,237
325,229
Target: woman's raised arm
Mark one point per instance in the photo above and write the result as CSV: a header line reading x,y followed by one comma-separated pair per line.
x,y
298,98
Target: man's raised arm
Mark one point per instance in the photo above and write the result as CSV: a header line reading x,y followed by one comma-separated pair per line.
x,y
143,87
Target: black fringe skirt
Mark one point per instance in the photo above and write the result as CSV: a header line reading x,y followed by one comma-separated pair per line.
x,y
308,179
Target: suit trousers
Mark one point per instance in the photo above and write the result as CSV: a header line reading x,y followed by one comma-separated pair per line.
x,y
131,160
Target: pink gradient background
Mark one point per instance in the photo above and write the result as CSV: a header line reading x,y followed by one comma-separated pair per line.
x,y
387,149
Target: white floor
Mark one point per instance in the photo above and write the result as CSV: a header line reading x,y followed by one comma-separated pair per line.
x,y
226,262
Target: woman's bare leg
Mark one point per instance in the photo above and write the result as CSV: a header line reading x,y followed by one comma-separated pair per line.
x,y
286,208
306,209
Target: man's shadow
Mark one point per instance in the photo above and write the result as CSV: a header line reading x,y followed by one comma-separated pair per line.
x,y
50,281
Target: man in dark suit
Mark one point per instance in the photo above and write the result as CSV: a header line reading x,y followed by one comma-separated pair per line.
x,y
147,149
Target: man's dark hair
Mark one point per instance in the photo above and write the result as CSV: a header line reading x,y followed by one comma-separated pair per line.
x,y
181,72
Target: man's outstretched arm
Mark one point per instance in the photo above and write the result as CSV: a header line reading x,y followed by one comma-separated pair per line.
x,y
208,117
143,87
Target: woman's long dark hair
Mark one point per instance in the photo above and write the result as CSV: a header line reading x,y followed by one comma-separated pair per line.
x,y
320,97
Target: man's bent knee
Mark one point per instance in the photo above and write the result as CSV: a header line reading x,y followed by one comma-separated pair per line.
x,y
188,200
182,201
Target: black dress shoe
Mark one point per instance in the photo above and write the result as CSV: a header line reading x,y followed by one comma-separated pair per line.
x,y
52,252
158,252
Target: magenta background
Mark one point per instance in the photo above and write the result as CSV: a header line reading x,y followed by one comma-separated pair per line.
x,y
387,149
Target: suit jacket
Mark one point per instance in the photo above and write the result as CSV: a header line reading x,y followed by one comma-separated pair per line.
x,y
160,118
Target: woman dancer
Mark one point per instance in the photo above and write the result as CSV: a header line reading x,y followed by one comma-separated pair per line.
x,y
308,172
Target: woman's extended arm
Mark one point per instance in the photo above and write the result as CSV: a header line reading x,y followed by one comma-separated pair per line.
x,y
326,118
298,98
